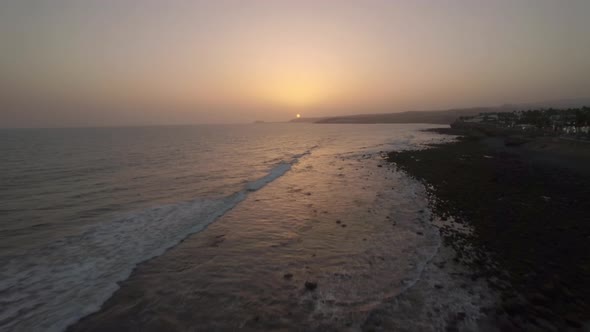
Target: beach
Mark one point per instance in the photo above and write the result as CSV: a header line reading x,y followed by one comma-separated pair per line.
x,y
342,241
223,228
372,166
444,232
528,207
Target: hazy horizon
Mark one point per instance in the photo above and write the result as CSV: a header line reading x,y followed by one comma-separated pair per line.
x,y
118,63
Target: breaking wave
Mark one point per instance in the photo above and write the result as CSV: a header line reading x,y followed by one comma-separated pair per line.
x,y
56,285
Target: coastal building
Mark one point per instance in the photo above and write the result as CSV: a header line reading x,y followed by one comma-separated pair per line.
x,y
569,122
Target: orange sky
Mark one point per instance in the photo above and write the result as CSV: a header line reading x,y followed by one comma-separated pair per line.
x,y
159,62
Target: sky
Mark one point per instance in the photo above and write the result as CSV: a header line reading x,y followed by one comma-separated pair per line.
x,y
138,62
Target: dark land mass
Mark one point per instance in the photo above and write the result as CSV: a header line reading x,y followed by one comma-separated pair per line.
x,y
528,202
442,116
434,117
307,120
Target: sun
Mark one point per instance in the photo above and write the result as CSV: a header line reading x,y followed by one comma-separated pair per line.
x,y
298,116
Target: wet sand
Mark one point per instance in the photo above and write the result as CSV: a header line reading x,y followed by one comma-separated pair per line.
x,y
340,243
343,249
529,209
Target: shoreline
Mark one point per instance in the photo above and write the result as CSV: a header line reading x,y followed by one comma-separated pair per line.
x,y
302,253
462,287
527,205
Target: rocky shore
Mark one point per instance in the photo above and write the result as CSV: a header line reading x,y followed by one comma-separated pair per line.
x,y
529,209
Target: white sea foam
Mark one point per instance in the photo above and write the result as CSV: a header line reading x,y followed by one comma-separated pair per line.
x,y
53,287
278,171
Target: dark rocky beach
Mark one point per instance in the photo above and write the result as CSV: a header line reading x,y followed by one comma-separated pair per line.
x,y
527,203
305,254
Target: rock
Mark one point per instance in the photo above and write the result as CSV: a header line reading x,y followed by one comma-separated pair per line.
x,y
573,322
438,286
549,289
513,308
539,299
311,286
542,310
420,233
288,275
338,221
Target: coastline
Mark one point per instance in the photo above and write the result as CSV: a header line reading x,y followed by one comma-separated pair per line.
x,y
304,254
527,205
214,279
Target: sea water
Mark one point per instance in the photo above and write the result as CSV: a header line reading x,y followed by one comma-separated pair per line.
x,y
261,208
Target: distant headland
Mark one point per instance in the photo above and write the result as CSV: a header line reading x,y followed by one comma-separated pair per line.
x,y
447,116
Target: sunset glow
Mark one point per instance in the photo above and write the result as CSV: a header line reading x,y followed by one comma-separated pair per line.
x,y
295,93
264,165
227,60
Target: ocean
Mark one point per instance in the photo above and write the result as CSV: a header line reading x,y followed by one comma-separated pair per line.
x,y
229,221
